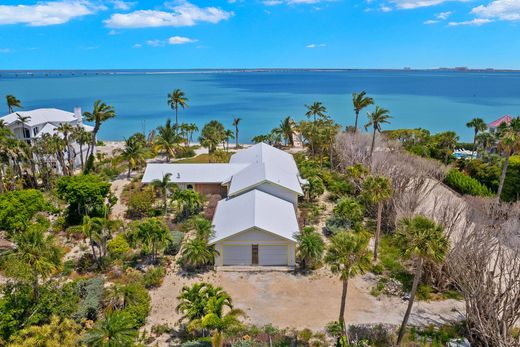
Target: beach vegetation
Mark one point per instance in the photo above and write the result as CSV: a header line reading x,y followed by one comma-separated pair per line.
x,y
12,103
212,135
465,184
177,98
360,101
101,112
310,248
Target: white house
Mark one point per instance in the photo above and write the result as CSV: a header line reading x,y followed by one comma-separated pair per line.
x,y
45,121
256,220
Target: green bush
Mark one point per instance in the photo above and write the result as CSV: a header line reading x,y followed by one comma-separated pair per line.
x,y
139,308
185,152
17,208
118,247
350,212
511,191
197,343
153,277
140,204
174,245
465,184
91,294
424,292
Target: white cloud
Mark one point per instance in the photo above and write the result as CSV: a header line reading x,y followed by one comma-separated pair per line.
x,y
183,14
138,45
431,21
122,5
313,45
294,2
499,9
473,22
443,15
5,50
411,4
155,43
46,12
180,40
385,8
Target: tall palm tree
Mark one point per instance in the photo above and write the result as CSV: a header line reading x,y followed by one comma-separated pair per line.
x,y
377,190
164,185
447,140
167,140
153,234
66,130
310,246
236,122
509,142
230,135
347,255
81,137
101,112
485,140
116,330
375,119
478,125
287,128
134,153
35,257
23,120
12,102
175,99
419,239
360,101
316,110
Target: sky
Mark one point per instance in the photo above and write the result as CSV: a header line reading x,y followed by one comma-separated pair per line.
x,y
118,34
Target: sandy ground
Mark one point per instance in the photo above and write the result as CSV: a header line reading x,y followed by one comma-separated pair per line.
x,y
298,301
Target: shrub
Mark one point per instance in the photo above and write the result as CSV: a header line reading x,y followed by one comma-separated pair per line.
x,y
17,208
118,246
197,343
140,204
185,152
376,335
350,212
511,191
139,308
174,246
315,188
424,292
465,184
91,294
153,277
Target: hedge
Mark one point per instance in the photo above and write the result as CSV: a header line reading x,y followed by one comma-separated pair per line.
x,y
465,184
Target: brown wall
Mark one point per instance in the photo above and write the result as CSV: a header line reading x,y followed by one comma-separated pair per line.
x,y
210,188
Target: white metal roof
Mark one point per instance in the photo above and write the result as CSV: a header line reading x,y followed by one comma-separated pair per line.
x,y
41,116
192,173
256,174
263,153
47,129
254,209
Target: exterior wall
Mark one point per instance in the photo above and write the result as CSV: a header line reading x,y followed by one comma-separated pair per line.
x,y
209,188
279,192
255,236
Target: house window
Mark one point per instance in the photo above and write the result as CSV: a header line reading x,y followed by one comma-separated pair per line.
x,y
190,187
35,131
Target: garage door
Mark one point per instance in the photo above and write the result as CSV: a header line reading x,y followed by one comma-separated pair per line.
x,y
273,255
237,255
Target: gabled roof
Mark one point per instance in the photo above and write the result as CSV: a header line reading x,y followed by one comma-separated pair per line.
x,y
51,129
192,173
496,123
256,174
254,209
263,153
41,116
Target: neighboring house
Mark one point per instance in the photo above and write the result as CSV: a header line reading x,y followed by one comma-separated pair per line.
x,y
45,121
496,123
256,221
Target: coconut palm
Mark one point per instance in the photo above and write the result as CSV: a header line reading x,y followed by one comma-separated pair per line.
x,y
101,112
375,119
192,301
419,239
236,122
478,125
377,190
134,153
164,185
310,247
347,255
167,140
229,135
197,252
12,102
81,137
447,140
23,120
66,130
153,234
116,330
287,128
175,99
360,101
36,256
486,140
509,142
188,202
203,228
316,110
215,319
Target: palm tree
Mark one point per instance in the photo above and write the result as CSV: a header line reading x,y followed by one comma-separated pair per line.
x,y
509,141
229,134
478,125
447,140
66,130
347,255
36,256
189,202
287,128
164,185
215,319
192,301
310,246
133,153
197,252
360,101
419,239
167,140
175,99
102,230
23,120
116,330
375,119
236,121
377,190
486,140
153,234
12,102
316,109
101,112
81,137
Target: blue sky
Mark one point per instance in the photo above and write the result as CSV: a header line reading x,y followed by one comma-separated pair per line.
x,y
95,34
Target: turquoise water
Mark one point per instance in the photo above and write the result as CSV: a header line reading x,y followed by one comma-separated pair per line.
x,y
436,100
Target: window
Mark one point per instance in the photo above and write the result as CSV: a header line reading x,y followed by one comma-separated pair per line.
x,y
189,186
35,131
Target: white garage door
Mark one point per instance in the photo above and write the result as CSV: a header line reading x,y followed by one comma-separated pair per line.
x,y
273,255
237,255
